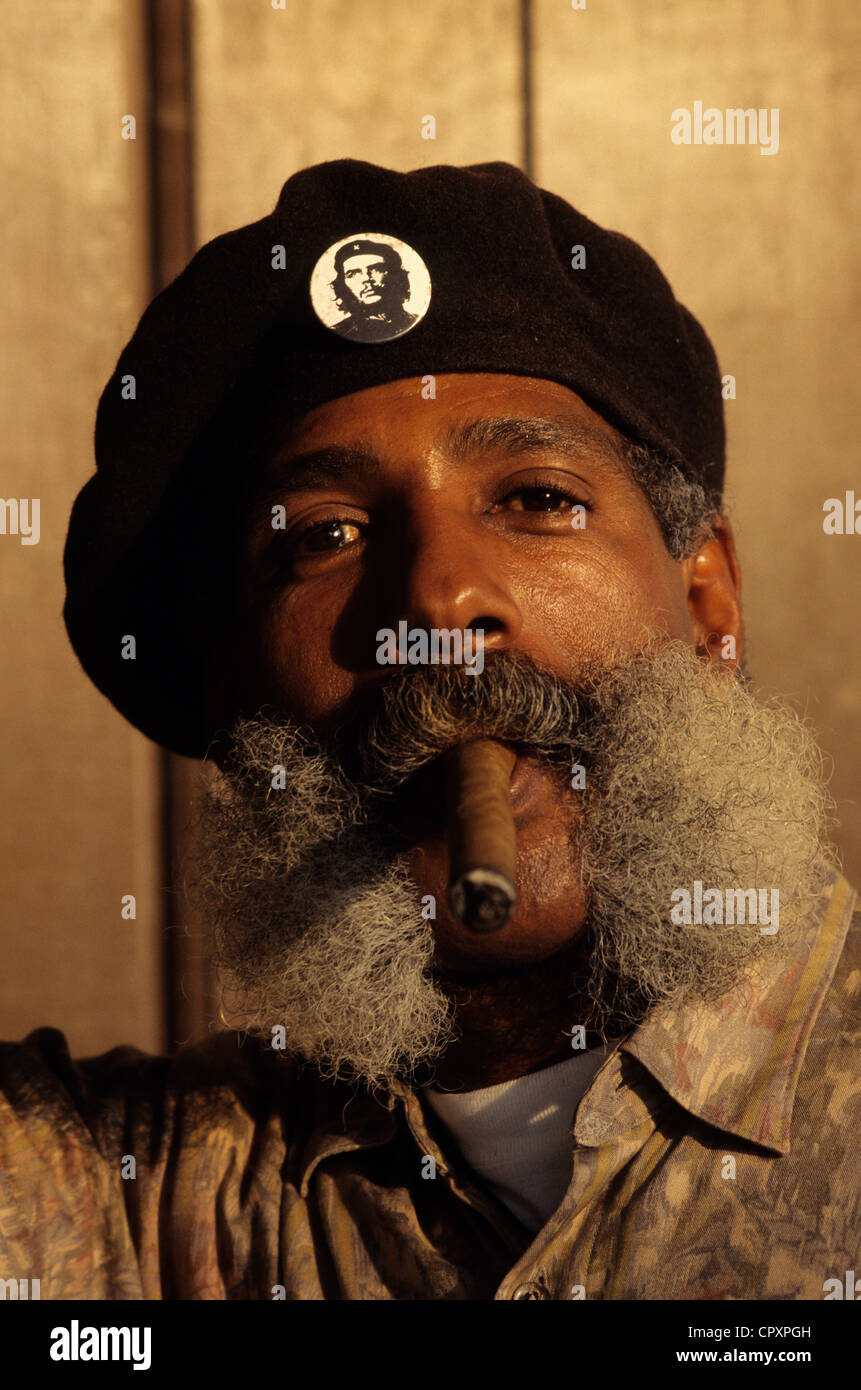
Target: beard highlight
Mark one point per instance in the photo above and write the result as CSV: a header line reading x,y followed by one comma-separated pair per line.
x,y
316,925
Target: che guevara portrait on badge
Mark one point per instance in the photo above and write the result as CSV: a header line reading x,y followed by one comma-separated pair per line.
x,y
370,287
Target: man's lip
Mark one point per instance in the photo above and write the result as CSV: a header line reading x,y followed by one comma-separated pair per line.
x,y
525,782
421,810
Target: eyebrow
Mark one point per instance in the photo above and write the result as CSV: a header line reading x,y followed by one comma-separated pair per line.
x,y
320,468
523,435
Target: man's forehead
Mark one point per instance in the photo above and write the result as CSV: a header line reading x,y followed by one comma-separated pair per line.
x,y
468,412
303,466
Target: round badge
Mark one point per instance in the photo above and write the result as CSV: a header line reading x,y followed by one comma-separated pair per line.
x,y
370,288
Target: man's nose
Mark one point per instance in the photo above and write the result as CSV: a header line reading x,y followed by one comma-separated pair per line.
x,y
452,576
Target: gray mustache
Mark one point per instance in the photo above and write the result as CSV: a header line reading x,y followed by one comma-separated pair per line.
x,y
423,713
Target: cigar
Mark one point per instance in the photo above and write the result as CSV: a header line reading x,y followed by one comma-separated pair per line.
x,y
482,846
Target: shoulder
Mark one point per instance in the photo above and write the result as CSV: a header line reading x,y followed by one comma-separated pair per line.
x,y
101,1156
45,1092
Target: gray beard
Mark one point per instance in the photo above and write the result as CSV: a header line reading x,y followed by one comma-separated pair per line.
x,y
316,925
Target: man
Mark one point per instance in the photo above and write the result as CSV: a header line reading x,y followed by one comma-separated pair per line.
x,y
371,287
642,1085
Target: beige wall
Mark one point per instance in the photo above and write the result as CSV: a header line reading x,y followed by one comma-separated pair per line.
x,y
78,787
761,248
276,90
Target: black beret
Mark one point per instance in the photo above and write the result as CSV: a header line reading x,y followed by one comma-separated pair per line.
x,y
519,283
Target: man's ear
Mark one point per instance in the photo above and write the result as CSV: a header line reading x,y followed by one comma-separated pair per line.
x,y
713,580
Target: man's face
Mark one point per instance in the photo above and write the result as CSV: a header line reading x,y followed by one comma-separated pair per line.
x,y
365,277
457,513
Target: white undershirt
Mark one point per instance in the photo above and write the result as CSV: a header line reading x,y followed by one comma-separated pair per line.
x,y
518,1135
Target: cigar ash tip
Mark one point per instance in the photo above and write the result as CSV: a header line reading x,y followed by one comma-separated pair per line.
x,y
482,899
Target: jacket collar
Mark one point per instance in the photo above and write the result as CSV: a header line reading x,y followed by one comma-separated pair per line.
x,y
735,1063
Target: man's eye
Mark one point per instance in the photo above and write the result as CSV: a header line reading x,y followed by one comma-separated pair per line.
x,y
541,499
327,536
